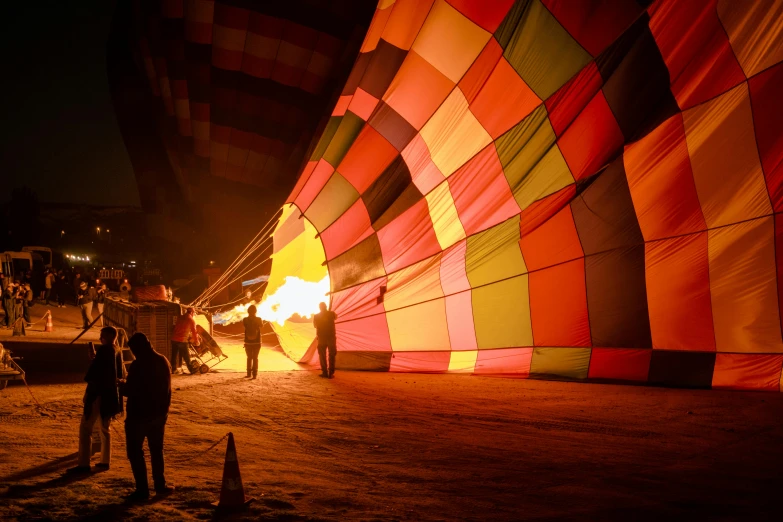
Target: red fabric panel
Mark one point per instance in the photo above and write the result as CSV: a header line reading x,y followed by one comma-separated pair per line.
x,y
368,156
233,17
370,334
514,361
453,274
533,216
740,371
266,25
474,79
319,177
592,139
409,238
485,14
594,23
660,179
569,100
420,362
767,103
359,301
619,363
363,104
342,105
493,204
172,9
779,261
678,293
349,229
459,315
198,32
558,305
225,59
695,48
258,67
555,241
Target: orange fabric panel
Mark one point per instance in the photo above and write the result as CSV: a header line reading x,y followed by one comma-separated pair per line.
x,y
417,90
420,362
725,159
539,212
424,173
658,169
779,260
509,361
678,293
742,284
555,241
409,238
592,140
320,175
504,88
377,26
558,305
493,204
485,14
459,314
625,364
767,103
349,229
359,301
406,19
342,105
473,80
453,274
363,104
737,371
755,32
366,159
369,334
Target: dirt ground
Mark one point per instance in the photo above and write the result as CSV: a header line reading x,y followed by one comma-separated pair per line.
x,y
383,446
67,323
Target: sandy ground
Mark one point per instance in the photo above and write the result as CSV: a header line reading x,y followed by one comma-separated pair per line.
x,y
382,446
67,324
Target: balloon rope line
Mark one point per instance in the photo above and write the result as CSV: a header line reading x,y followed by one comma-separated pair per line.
x,y
220,284
237,278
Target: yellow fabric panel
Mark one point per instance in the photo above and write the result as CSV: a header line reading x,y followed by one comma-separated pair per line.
x,y
755,29
725,160
453,135
532,162
419,328
494,254
336,197
445,221
383,4
414,284
449,41
463,362
501,312
743,287
302,257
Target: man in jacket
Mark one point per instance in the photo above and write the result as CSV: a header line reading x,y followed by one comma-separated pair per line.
x,y
184,334
148,389
252,340
101,400
8,302
85,296
327,339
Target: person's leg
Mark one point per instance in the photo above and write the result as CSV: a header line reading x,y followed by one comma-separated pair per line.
x,y
185,351
322,359
332,357
249,353
88,307
47,295
134,443
26,313
155,435
256,349
85,433
105,424
175,362
100,312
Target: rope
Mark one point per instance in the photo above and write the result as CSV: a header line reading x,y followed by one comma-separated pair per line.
x,y
187,456
41,409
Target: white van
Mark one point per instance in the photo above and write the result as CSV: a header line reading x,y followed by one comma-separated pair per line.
x,y
14,264
44,252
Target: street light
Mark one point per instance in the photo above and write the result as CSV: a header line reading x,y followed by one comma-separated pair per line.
x,y
62,233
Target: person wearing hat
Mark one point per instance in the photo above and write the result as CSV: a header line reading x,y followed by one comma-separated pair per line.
x,y
148,389
85,296
185,333
9,295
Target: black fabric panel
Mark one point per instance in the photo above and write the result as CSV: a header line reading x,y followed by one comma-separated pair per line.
x,y
636,81
361,263
359,68
326,137
604,213
387,188
265,88
617,299
346,133
363,361
285,132
682,369
392,126
382,69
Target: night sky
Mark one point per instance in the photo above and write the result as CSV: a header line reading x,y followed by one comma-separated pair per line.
x,y
59,134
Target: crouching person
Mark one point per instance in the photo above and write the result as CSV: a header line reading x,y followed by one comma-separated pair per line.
x,y
101,400
148,389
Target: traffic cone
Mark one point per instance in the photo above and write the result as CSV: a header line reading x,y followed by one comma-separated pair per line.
x,y
232,493
49,324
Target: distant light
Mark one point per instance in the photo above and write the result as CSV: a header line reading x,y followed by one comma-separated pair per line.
x,y
126,280
86,258
211,262
133,262
107,230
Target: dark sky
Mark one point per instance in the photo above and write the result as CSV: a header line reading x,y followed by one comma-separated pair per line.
x,y
59,134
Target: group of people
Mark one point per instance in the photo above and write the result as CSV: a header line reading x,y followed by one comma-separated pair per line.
x,y
17,301
147,387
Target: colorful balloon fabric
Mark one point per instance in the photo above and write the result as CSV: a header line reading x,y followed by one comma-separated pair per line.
x,y
552,189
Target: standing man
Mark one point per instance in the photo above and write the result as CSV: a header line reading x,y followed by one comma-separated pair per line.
x,y
77,283
85,296
100,299
252,340
101,400
27,302
48,285
8,303
148,389
327,338
184,334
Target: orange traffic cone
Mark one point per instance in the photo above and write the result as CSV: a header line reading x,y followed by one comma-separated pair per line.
x,y
49,324
232,493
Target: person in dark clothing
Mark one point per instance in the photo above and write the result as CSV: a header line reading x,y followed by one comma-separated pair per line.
x,y
86,297
9,293
252,340
327,339
148,389
61,288
101,400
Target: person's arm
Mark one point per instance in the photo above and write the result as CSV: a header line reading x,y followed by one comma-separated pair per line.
x,y
194,332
